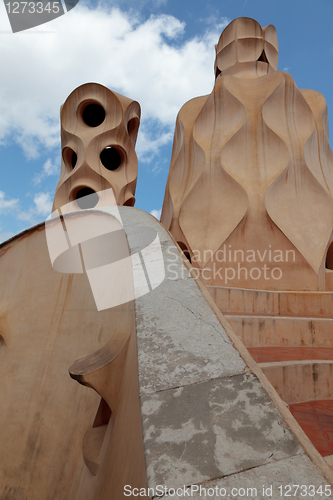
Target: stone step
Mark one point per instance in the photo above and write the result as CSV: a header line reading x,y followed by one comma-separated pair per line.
x,y
301,381
238,301
282,331
276,354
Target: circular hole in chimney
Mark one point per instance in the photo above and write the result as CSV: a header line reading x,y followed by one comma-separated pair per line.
x,y
110,158
133,125
130,202
185,250
74,159
86,198
69,156
93,115
132,128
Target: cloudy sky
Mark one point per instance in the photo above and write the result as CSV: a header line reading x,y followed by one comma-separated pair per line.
x,y
158,52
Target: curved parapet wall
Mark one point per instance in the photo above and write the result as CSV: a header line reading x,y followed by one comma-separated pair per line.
x,y
98,134
205,413
61,439
249,193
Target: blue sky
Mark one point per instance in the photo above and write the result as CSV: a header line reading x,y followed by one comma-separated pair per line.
x,y
158,52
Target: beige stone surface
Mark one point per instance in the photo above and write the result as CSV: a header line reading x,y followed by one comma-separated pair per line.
x,y
59,438
252,172
253,152
63,438
244,302
301,381
98,153
283,331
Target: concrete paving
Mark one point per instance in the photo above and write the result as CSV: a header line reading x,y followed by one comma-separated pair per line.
x,y
206,419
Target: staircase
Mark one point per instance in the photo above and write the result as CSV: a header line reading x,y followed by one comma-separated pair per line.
x,y
290,335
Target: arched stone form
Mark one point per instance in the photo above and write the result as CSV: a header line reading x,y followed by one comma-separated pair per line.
x,y
251,176
99,128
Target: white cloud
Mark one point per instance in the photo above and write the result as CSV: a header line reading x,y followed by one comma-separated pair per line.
x,y
156,213
43,203
43,207
148,147
149,62
49,168
7,205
